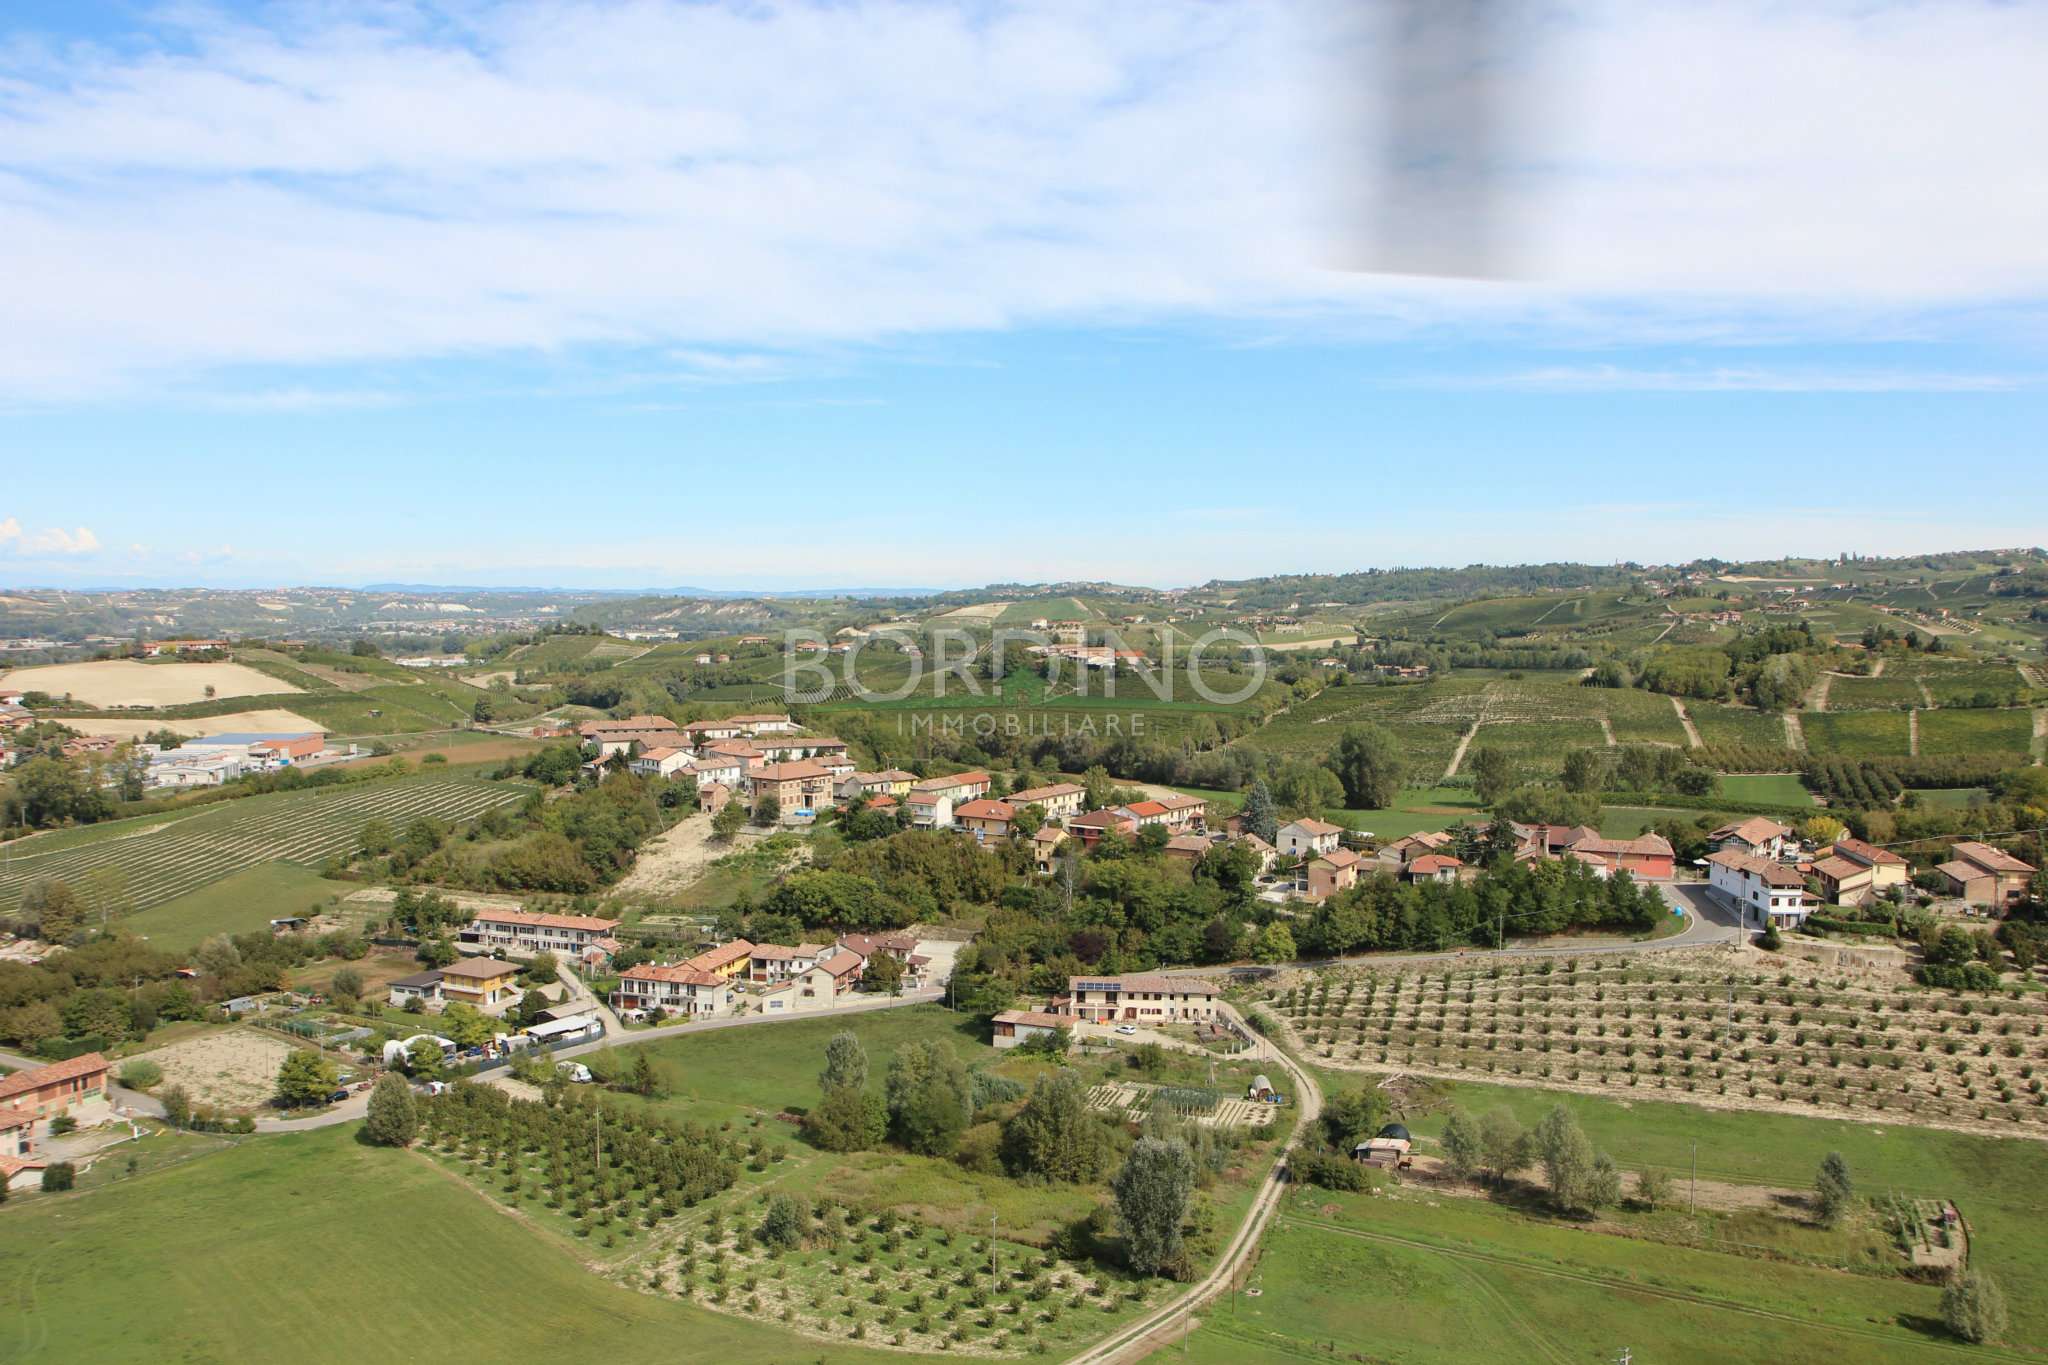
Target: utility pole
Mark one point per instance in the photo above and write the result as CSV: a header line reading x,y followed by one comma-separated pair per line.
x,y
1625,1357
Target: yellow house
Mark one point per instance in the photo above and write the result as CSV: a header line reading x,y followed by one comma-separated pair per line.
x,y
484,982
727,960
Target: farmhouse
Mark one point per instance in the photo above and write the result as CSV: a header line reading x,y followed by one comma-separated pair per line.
x,y
153,648
1143,997
1184,812
1329,873
1188,848
1775,892
30,1098
682,989
1432,867
1983,875
619,736
1306,838
485,982
521,932
1759,836
770,963
1060,801
985,819
1647,856
836,973
802,785
1090,828
1021,1026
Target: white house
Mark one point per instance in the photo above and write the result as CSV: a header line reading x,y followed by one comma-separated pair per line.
x,y
929,810
663,761
1306,838
1763,887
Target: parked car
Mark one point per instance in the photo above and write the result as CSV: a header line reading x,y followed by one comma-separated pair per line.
x,y
1128,1030
435,1087
576,1072
338,1096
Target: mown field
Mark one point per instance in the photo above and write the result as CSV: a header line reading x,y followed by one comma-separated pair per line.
x,y
313,1247
167,858
242,903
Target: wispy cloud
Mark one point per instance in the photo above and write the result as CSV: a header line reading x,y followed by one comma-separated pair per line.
x,y
313,185
1598,379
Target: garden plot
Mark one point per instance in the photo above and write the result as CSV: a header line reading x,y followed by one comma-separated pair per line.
x,y
166,861
1729,1034
1134,1101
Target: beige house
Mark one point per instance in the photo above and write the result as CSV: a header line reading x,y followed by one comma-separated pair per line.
x,y
1329,873
1060,801
803,784
1983,875
520,932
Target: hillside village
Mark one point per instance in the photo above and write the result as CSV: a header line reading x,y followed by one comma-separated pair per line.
x,y
606,851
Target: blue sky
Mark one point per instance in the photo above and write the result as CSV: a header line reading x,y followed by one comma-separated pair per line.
x,y
647,294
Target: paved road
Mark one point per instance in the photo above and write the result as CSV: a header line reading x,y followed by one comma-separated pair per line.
x,y
1151,1332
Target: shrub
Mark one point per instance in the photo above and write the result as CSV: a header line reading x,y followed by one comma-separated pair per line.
x,y
141,1074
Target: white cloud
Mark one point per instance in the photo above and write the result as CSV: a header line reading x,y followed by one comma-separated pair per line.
x,y
53,540
722,180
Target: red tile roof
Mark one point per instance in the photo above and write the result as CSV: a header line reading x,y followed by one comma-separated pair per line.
x,y
981,808
36,1077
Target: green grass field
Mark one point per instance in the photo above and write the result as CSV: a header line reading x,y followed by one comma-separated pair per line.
x,y
1428,1281
1770,789
312,1247
2000,1184
1416,810
243,903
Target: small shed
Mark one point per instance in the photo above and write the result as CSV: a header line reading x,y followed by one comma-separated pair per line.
x,y
1261,1088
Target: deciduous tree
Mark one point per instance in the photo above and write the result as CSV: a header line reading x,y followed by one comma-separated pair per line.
x,y
393,1119
1152,1192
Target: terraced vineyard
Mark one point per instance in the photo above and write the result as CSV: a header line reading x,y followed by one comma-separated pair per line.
x,y
1715,1035
165,861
